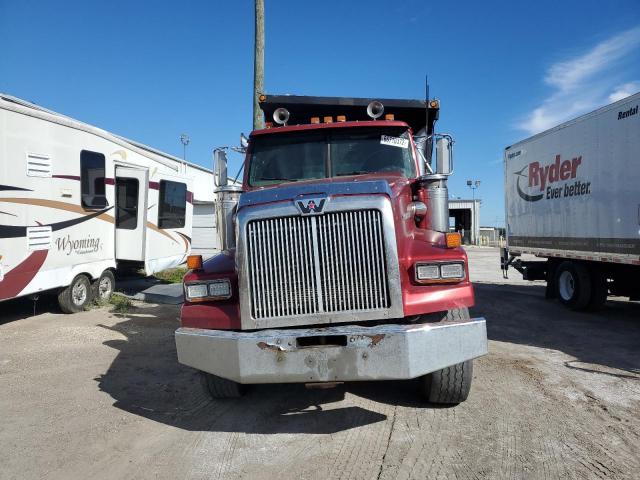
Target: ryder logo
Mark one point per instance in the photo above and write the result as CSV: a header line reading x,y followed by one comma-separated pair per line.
x,y
543,178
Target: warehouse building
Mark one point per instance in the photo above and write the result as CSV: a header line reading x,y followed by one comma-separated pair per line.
x,y
464,217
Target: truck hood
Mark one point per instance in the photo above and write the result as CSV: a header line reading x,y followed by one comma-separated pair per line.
x,y
390,185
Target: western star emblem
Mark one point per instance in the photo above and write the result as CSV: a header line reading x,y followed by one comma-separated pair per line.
x,y
311,206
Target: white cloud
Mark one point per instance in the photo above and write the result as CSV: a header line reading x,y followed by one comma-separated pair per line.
x,y
623,91
584,82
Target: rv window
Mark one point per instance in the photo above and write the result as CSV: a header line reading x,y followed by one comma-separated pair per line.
x,y
173,204
126,203
92,179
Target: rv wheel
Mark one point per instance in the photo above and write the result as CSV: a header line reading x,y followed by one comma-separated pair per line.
x,y
104,286
74,298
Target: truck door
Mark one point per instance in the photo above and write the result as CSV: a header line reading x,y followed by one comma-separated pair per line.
x,y
130,213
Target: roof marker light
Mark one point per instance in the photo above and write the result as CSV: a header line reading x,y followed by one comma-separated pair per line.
x,y
315,119
341,118
389,116
328,119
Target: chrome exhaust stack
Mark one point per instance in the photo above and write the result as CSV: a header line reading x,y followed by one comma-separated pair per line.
x,y
225,202
434,185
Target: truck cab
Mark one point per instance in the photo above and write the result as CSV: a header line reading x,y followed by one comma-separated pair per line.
x,y
337,261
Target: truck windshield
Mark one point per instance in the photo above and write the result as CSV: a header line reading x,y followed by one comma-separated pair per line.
x,y
305,155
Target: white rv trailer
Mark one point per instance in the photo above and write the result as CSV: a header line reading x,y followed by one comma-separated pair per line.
x,y
572,198
76,202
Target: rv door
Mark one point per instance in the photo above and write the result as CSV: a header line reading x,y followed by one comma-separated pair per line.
x,y
131,213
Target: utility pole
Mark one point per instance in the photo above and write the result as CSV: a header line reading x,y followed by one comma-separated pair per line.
x,y
258,64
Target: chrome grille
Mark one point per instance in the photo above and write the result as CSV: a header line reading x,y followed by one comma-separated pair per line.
x,y
325,263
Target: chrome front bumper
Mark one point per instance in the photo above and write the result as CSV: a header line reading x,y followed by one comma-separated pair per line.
x,y
383,352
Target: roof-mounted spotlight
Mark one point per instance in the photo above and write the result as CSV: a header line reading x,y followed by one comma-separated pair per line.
x,y
281,116
375,109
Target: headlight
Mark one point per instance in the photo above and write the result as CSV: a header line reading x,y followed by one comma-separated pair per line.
x,y
197,291
427,272
219,289
439,272
452,270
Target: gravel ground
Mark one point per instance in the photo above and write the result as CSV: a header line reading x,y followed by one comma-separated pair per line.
x,y
100,395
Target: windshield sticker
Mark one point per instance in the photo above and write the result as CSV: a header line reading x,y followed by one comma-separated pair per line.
x,y
394,141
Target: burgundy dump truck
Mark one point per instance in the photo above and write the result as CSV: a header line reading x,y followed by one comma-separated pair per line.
x,y
337,261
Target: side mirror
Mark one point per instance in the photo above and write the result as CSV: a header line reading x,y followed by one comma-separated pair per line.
x,y
219,167
444,155
244,141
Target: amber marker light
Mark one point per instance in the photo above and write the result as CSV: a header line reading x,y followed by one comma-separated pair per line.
x,y
315,119
389,116
194,262
341,118
262,98
434,104
453,240
328,119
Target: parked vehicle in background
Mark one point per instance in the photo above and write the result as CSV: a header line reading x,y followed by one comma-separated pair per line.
x,y
337,263
572,198
76,202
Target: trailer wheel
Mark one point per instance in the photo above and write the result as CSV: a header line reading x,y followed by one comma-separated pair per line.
x,y
599,290
76,296
218,387
104,286
450,385
573,285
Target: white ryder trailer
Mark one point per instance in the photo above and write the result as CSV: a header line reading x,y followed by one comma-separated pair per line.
x,y
76,202
572,196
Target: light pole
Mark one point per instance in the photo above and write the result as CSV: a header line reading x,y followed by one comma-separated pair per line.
x,y
184,138
473,184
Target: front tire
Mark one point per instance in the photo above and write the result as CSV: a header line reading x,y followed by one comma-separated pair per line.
x,y
76,296
450,385
218,387
573,285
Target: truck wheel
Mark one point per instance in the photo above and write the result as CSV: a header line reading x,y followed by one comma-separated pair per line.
x,y
219,387
457,314
573,285
76,296
450,385
104,286
599,290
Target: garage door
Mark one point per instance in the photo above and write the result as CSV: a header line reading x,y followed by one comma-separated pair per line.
x,y
204,240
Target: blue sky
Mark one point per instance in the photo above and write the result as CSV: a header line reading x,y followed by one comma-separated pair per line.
x,y
153,70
